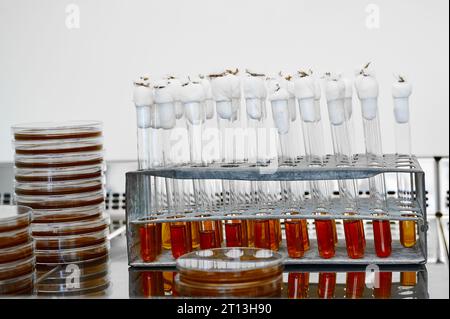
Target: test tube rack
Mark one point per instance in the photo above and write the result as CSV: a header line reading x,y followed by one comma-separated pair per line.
x,y
361,167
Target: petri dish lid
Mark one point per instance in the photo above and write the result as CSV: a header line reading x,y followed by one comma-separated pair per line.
x,y
58,146
11,254
58,160
53,130
48,216
229,259
16,237
61,201
14,217
59,188
72,227
71,241
85,268
56,174
17,285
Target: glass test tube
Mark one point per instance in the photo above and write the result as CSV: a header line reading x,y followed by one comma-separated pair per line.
x,y
367,87
236,232
209,233
401,90
298,285
309,106
180,237
149,155
353,228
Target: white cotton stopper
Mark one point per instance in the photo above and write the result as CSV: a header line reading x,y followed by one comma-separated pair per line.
x,y
142,94
209,109
401,91
335,92
254,92
209,98
279,97
317,88
226,91
224,109
305,92
348,98
280,114
367,90
292,109
174,86
164,106
254,108
193,95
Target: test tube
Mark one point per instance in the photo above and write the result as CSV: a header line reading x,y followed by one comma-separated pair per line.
x,y
152,283
354,284
298,285
236,232
408,278
353,228
307,92
326,285
226,90
180,237
209,231
279,98
401,90
148,151
267,232
367,89
255,94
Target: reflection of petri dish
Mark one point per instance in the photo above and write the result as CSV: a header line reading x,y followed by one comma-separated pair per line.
x,y
11,254
14,217
71,241
64,256
23,285
65,146
84,268
61,201
228,265
71,228
17,268
62,130
57,174
15,237
66,214
58,160
59,188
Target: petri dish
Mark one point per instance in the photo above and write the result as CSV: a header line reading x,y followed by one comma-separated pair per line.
x,y
71,228
85,287
17,268
14,253
14,217
64,256
58,160
71,241
84,268
57,130
44,216
58,174
16,237
229,265
58,188
61,201
48,147
23,285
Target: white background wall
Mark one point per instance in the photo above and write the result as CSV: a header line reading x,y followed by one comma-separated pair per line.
x,y
49,72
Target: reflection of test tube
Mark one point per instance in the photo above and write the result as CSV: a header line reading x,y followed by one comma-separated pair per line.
x,y
354,230
383,291
401,90
326,285
306,92
298,285
150,234
367,89
354,284
152,283
408,278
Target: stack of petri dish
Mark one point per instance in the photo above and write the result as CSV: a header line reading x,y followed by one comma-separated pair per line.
x,y
230,272
17,260
59,173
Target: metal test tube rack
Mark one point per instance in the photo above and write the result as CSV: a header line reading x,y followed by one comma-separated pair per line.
x,y
137,201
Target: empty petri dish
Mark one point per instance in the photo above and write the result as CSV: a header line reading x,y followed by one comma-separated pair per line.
x,y
17,268
11,254
14,217
61,130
